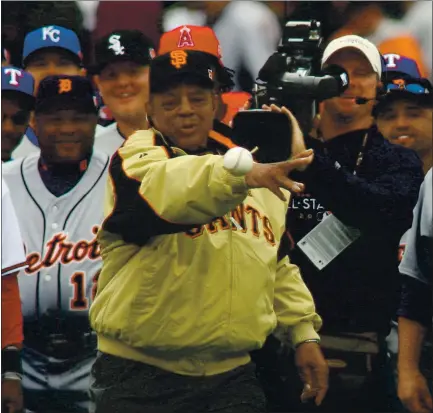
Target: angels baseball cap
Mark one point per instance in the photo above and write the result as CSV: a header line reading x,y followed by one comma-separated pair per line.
x,y
123,45
52,37
65,92
368,49
200,39
179,66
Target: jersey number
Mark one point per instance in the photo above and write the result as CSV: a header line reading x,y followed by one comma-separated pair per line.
x,y
79,300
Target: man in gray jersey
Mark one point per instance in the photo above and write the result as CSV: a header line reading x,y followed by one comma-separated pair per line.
x,y
49,51
122,76
58,196
404,117
415,312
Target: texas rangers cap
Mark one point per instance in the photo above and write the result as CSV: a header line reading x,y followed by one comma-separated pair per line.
x,y
65,92
123,45
52,37
177,66
404,81
368,49
17,80
200,39
397,65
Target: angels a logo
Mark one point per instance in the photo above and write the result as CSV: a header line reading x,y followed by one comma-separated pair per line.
x,y
185,38
60,250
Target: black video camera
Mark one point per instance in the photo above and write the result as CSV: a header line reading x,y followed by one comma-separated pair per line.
x,y
292,78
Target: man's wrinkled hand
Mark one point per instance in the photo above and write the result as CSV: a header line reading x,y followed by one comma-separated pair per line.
x,y
12,396
414,392
313,370
274,176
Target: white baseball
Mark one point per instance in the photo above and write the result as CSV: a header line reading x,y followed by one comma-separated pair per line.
x,y
238,161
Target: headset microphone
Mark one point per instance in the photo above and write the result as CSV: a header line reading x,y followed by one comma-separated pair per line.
x,y
362,101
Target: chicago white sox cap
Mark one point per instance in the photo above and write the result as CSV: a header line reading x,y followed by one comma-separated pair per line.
x,y
52,37
368,49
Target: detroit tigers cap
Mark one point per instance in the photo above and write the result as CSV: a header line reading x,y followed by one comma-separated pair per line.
x,y
122,45
65,92
17,80
178,66
200,39
52,37
368,49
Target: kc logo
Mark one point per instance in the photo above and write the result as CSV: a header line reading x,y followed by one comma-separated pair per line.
x,y
115,45
65,85
185,38
14,74
178,58
52,33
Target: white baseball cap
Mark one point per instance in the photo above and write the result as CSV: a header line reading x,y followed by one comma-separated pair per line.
x,y
368,49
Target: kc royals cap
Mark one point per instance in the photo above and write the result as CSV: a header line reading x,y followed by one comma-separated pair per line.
x,y
17,81
368,49
52,37
65,92
180,66
123,45
200,39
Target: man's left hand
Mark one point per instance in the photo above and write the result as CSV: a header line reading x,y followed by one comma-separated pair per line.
x,y
313,370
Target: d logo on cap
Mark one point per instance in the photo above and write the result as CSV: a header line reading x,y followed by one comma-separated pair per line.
x,y
65,85
178,58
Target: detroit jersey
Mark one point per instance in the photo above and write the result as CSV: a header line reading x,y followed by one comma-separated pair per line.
x,y
57,287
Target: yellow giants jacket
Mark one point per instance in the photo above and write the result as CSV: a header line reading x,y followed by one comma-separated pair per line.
x,y
191,281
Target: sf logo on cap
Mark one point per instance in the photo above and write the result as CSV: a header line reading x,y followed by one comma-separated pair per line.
x,y
115,45
65,85
178,58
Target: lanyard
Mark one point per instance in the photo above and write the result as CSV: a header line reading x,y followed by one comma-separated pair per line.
x,y
360,156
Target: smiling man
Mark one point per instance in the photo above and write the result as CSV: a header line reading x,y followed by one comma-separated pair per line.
x,y
192,279
121,74
404,114
57,195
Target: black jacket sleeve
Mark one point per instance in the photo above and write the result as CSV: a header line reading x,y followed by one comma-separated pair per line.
x,y
385,202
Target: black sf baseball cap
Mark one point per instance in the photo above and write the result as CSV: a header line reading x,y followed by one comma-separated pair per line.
x,y
123,45
65,92
181,66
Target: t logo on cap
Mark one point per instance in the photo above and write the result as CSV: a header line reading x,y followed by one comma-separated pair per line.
x,y
52,33
390,59
185,39
65,85
14,74
178,58
115,45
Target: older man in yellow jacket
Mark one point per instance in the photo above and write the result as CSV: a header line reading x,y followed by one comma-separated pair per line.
x,y
191,279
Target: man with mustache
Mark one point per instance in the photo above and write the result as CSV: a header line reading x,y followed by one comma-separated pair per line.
x,y
58,195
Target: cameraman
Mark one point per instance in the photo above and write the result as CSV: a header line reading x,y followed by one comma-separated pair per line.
x,y
366,188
